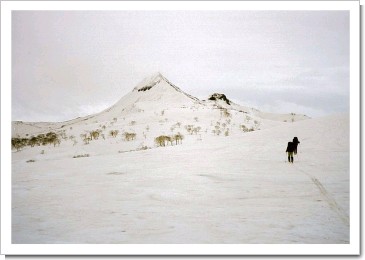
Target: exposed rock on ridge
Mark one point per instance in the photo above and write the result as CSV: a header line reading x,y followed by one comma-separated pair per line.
x,y
217,96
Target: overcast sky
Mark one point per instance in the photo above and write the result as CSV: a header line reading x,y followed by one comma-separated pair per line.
x,y
67,64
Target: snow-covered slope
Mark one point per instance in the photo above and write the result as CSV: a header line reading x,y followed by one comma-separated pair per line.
x,y
154,96
220,100
209,189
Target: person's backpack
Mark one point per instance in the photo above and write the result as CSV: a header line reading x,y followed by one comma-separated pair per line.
x,y
290,148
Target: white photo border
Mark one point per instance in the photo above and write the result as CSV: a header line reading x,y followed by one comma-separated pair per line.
x,y
353,248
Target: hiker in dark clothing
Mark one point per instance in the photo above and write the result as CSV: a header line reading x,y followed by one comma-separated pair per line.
x,y
290,150
296,142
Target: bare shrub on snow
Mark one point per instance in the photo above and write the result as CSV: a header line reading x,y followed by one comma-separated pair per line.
x,y
52,138
177,125
63,135
226,133
196,130
178,138
85,138
225,112
142,147
81,155
164,140
18,143
113,133
33,141
129,136
246,129
191,129
95,134
216,131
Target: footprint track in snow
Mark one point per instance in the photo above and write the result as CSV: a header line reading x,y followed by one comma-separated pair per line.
x,y
329,199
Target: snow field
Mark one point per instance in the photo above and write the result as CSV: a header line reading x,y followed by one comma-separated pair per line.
x,y
227,189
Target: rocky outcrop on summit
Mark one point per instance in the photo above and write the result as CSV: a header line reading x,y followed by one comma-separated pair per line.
x,y
217,96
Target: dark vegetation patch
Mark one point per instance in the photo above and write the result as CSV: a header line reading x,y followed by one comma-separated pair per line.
x,y
41,139
81,155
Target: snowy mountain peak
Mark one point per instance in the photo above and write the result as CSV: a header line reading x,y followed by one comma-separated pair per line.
x,y
158,81
148,82
157,77
153,95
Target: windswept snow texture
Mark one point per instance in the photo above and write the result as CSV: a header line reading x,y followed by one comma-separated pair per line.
x,y
209,189
227,181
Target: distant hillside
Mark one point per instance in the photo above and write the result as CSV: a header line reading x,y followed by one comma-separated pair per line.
x,y
150,97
